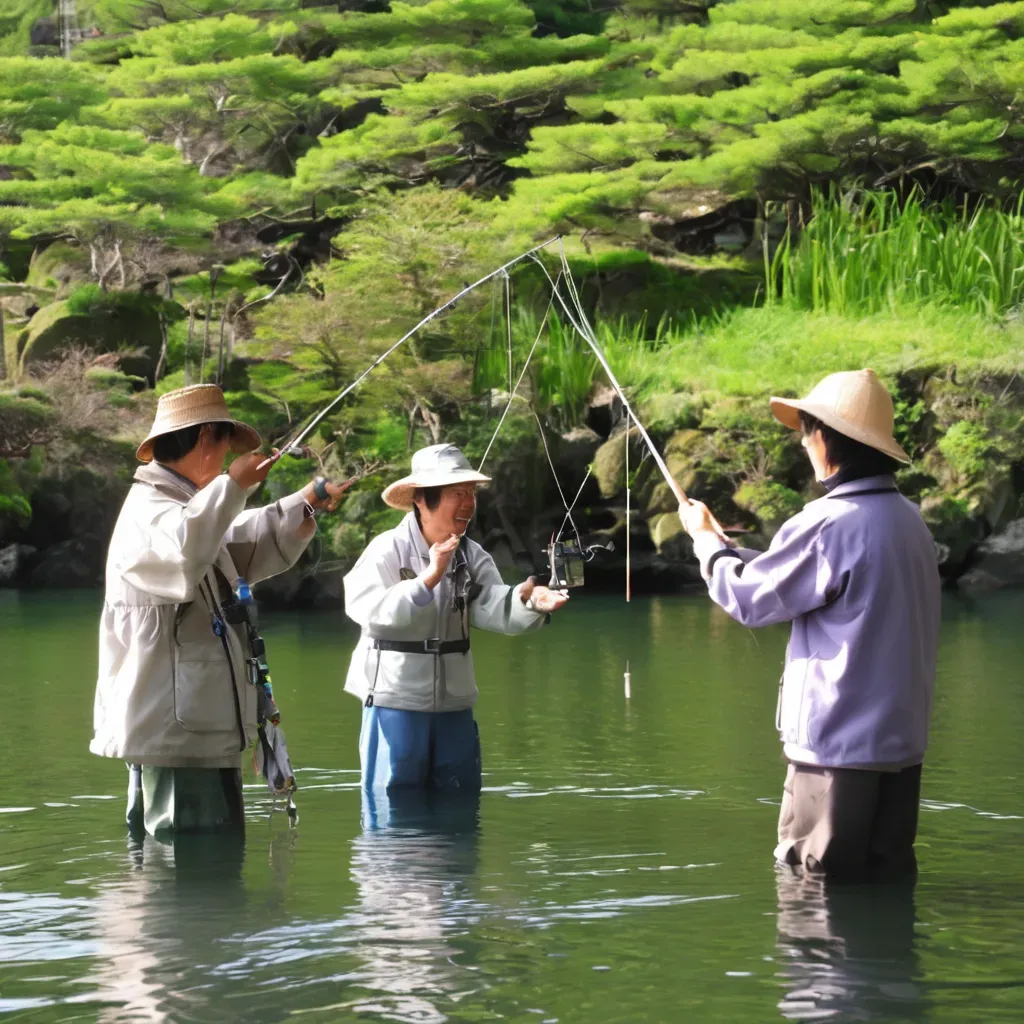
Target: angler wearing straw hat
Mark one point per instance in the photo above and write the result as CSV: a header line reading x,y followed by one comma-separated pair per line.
x,y
173,698
855,573
416,591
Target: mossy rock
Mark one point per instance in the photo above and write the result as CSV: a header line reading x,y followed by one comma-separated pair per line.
x,y
347,541
610,461
665,413
13,343
114,381
670,539
684,455
770,502
956,532
60,267
55,328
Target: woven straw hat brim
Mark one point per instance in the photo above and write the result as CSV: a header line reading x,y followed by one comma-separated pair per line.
x,y
399,494
243,439
787,412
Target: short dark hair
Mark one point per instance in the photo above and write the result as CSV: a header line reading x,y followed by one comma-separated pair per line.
x,y
178,443
846,454
430,496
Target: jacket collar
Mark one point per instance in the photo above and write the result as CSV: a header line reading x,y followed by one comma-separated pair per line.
x,y
414,536
167,482
866,483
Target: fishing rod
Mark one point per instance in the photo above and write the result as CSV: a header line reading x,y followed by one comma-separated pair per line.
x,y
587,336
503,269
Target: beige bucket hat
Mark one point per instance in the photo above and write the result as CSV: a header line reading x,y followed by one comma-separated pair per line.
x,y
436,466
188,407
856,403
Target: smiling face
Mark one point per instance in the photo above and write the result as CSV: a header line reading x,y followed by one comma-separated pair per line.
x,y
452,514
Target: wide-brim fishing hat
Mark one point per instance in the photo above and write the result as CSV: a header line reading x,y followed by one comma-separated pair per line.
x,y
440,465
190,407
855,403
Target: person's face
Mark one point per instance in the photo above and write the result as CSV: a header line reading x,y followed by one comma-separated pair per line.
x,y
212,454
814,445
453,513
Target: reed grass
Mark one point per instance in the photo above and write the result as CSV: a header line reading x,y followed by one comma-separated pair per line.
x,y
871,252
872,281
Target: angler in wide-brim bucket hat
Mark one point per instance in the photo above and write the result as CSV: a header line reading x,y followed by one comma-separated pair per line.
x,y
855,403
437,466
190,407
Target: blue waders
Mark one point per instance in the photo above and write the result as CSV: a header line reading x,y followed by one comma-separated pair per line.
x,y
423,749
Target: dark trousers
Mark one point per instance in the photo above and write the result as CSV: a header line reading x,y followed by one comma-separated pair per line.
x,y
169,800
850,824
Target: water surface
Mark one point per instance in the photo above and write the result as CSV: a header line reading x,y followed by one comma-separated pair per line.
x,y
617,867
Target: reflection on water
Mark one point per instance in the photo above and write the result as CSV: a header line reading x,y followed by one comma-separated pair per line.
x,y
617,867
146,924
413,865
847,951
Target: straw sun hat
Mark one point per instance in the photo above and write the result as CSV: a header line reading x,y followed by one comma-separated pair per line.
x,y
855,403
188,407
436,466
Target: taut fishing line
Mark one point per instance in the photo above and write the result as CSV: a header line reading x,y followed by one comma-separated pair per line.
x,y
573,310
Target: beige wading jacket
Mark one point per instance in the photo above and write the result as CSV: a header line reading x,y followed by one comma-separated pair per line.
x,y
389,603
167,693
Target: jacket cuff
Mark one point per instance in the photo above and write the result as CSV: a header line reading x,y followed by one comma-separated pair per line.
x,y
290,501
422,595
705,544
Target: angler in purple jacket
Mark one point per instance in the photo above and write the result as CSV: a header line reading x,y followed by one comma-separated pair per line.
x,y
855,573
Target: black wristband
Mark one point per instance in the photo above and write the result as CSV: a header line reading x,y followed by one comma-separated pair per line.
x,y
320,488
724,553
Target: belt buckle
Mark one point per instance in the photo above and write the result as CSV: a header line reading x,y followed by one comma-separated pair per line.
x,y
432,646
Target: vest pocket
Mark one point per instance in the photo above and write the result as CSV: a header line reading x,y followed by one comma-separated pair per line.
x,y
203,701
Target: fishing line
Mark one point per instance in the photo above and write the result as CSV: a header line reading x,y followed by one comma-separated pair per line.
x,y
401,341
586,332
512,393
508,324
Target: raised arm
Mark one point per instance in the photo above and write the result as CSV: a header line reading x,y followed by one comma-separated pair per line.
x,y
377,597
790,579
179,544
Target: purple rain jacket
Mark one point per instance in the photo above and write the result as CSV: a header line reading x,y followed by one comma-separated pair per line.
x,y
856,574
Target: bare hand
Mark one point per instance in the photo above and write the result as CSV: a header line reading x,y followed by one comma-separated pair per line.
x,y
441,555
250,469
544,598
696,517
335,492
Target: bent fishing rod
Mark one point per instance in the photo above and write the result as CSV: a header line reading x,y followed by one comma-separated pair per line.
x,y
503,269
586,332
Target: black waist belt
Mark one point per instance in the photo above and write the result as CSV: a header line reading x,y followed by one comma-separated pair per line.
x,y
434,646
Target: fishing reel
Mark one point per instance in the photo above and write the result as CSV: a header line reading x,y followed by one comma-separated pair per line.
x,y
565,562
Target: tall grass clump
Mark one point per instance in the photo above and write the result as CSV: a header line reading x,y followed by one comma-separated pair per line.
x,y
563,369
874,252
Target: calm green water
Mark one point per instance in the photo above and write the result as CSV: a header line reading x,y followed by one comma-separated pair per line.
x,y
618,867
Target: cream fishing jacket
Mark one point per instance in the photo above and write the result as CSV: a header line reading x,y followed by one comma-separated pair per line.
x,y
383,595
168,694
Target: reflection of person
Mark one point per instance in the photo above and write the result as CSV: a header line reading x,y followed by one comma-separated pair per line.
x,y
413,864
172,698
847,952
415,591
856,574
